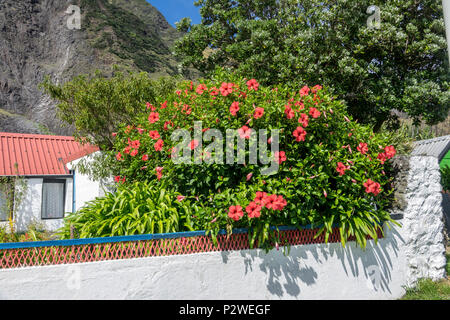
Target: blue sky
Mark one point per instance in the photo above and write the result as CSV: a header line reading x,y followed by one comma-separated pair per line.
x,y
174,10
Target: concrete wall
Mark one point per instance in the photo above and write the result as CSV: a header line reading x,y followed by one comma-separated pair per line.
x,y
320,271
308,272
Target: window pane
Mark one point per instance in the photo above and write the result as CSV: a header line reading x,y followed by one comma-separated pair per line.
x,y
53,200
3,208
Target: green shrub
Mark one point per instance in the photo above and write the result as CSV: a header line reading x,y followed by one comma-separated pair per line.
x,y
34,232
332,170
138,208
445,178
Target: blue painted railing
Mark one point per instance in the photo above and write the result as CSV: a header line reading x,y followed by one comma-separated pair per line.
x,y
140,237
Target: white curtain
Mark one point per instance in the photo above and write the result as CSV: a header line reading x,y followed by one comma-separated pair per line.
x,y
53,200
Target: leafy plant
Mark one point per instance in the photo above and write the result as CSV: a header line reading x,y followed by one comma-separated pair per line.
x,y
401,65
332,170
445,178
12,192
138,208
96,105
34,232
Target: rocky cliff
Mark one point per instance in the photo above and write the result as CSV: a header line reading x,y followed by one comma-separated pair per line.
x,y
36,39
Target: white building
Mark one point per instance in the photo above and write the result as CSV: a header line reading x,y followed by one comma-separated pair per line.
x,y
42,166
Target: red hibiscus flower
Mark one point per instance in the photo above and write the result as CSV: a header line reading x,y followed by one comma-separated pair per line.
x,y
288,111
140,130
133,152
193,144
299,104
279,203
245,132
186,109
201,88
214,91
153,117
226,88
235,212
234,108
128,129
166,125
314,112
372,187
164,105
269,201
118,179
154,134
158,172
253,210
145,157
390,152
159,145
280,157
260,197
299,134
304,91
252,84
274,202
258,113
119,156
316,88
341,168
382,157
362,147
134,144
303,120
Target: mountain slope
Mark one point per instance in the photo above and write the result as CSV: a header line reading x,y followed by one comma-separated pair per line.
x,y
35,41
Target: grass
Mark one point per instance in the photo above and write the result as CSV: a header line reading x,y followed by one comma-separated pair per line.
x,y
427,289
35,232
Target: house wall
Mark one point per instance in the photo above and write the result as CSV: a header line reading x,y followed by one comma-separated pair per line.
x,y
85,188
29,210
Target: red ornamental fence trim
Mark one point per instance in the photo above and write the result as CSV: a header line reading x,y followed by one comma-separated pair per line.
x,y
47,254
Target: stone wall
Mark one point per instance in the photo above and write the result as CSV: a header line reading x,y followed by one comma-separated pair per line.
x,y
423,223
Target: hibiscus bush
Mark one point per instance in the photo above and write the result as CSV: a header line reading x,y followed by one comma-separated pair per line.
x,y
332,171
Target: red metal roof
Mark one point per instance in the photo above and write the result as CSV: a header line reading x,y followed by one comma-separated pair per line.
x,y
33,154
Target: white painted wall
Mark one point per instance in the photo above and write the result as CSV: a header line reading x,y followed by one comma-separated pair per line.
x,y
423,225
308,272
29,210
317,271
85,188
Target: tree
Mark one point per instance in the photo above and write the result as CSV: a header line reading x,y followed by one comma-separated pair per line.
x,y
97,105
401,65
